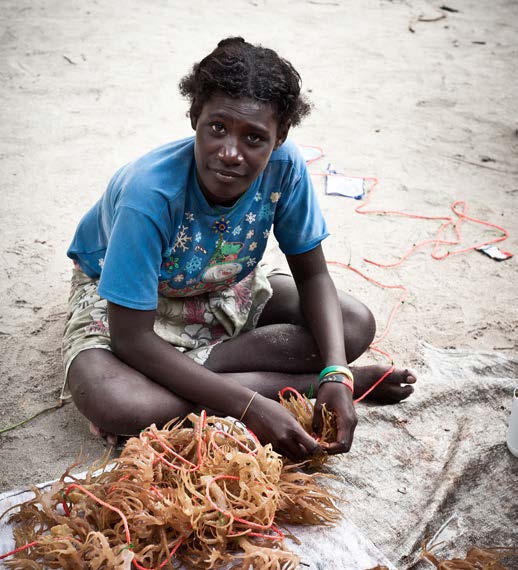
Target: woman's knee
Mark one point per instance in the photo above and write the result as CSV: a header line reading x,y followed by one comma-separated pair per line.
x,y
359,325
117,398
92,383
280,347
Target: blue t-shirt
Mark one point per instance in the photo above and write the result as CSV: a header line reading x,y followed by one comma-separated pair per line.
x,y
153,230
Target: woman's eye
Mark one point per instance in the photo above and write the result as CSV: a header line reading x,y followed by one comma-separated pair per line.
x,y
254,139
217,128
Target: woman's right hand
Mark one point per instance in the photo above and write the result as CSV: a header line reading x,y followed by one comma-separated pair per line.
x,y
272,423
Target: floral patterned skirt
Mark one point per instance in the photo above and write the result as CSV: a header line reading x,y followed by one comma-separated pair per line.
x,y
193,325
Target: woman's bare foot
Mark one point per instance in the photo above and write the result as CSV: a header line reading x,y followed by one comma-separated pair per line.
x,y
111,439
393,389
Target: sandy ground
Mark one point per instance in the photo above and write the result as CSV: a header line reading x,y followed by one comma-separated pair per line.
x,y
432,113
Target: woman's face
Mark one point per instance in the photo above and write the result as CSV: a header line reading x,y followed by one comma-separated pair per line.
x,y
234,141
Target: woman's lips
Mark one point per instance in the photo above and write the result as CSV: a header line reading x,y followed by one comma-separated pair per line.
x,y
226,176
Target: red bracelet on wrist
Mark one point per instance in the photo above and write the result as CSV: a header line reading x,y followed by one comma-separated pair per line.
x,y
338,378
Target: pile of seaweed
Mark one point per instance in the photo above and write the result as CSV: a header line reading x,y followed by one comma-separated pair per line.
x,y
203,492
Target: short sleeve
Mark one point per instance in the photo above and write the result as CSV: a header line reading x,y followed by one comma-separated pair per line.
x,y
299,225
130,269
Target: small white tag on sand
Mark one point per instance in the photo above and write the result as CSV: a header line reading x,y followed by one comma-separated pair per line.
x,y
347,186
494,252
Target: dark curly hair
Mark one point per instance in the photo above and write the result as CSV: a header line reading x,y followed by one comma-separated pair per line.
x,y
239,69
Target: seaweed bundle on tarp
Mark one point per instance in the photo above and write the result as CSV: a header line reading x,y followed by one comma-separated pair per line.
x,y
476,559
208,496
303,409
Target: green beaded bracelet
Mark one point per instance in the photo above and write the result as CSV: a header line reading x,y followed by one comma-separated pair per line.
x,y
335,369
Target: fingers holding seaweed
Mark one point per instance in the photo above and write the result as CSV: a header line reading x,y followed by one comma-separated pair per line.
x,y
272,423
344,437
336,398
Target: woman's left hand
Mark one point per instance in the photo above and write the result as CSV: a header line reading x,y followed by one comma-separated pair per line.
x,y
338,399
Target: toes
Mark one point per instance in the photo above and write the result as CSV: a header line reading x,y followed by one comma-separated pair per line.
x,y
397,386
405,392
95,431
411,378
392,393
395,394
402,377
112,440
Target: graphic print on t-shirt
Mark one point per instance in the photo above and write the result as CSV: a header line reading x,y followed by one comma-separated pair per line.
x,y
225,262
191,267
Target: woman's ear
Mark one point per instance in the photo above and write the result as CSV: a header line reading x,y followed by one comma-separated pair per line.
x,y
282,135
194,114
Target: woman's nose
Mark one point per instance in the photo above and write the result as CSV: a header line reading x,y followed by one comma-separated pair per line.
x,y
229,152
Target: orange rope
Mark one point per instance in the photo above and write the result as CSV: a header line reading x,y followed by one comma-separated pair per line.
x,y
31,544
166,561
167,449
319,149
459,209
297,393
20,549
104,504
234,439
269,526
396,307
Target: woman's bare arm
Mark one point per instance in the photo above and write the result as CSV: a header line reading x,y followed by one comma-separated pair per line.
x,y
321,308
135,343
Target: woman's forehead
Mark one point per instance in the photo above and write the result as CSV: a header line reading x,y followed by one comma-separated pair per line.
x,y
243,109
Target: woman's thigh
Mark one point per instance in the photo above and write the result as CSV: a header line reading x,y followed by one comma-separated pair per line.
x,y
282,341
284,307
117,398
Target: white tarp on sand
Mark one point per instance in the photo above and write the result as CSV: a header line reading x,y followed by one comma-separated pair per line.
x,y
413,465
